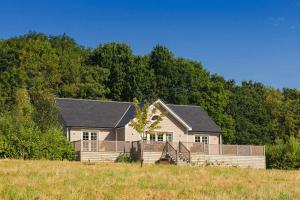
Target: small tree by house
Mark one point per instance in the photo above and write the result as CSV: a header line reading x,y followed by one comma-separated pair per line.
x,y
143,121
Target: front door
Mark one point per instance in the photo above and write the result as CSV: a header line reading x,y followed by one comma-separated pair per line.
x,y
89,141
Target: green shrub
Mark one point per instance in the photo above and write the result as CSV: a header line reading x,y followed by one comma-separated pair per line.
x,y
284,155
123,158
55,146
22,137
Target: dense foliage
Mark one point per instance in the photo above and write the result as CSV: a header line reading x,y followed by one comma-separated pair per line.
x,y
249,113
21,137
284,155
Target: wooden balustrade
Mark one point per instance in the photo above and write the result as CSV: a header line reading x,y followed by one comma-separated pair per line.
x,y
184,152
185,148
169,152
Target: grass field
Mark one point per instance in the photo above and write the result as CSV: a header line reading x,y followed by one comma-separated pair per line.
x,y
75,180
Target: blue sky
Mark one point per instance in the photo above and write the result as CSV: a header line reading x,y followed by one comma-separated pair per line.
x,y
238,39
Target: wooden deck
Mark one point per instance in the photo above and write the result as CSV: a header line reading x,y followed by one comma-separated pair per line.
x,y
183,153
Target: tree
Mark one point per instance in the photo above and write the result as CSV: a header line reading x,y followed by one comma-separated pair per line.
x,y
21,137
161,61
252,120
139,81
143,121
117,58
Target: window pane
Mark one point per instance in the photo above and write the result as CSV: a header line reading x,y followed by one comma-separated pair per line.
x,y
205,139
155,117
160,137
85,136
169,137
152,137
93,136
197,138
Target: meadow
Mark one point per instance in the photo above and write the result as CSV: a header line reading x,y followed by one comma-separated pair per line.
x,y
74,180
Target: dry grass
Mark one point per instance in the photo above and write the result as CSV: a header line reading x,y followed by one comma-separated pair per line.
x,y
74,180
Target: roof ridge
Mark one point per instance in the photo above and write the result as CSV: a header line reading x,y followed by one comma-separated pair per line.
x,y
183,105
95,100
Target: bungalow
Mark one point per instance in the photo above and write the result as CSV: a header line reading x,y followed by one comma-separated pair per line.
x,y
100,130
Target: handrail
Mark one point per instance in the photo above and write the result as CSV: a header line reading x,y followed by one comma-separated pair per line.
x,y
171,151
184,152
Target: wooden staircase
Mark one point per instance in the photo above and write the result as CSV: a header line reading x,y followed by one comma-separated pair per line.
x,y
172,156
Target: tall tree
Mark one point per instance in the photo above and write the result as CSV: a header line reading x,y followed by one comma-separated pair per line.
x,y
117,58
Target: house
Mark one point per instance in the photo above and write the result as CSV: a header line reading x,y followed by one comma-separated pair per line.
x,y
100,130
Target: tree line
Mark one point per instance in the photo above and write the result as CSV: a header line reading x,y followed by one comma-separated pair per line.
x,y
56,66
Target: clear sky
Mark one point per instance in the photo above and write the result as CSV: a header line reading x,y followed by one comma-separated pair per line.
x,y
238,39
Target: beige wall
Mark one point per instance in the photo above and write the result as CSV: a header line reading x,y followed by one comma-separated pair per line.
x,y
120,134
168,124
214,138
103,134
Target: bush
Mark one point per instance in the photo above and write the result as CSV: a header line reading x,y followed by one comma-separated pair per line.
x,y
55,146
284,155
123,158
22,137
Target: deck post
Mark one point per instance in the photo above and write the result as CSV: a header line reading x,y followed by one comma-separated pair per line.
x,y
142,152
220,147
116,140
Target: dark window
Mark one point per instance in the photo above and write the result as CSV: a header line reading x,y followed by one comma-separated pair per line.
x,y
205,139
152,137
85,135
155,117
93,136
160,137
197,138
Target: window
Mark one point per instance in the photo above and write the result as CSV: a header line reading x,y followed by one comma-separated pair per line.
x,y
85,136
202,139
144,137
205,139
197,138
160,137
169,137
93,136
152,137
154,117
85,142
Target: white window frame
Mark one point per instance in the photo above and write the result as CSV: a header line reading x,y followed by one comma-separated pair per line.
x,y
151,135
167,137
164,136
201,138
160,134
196,138
89,144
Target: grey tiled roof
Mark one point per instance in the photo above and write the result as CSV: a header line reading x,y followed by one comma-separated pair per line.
x,y
109,114
91,113
195,117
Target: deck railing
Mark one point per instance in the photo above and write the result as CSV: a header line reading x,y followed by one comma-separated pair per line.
x,y
184,152
169,152
101,146
158,146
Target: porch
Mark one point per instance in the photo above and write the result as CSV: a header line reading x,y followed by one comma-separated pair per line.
x,y
174,152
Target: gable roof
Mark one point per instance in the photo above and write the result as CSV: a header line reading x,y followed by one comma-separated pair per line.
x,y
91,113
196,117
110,114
